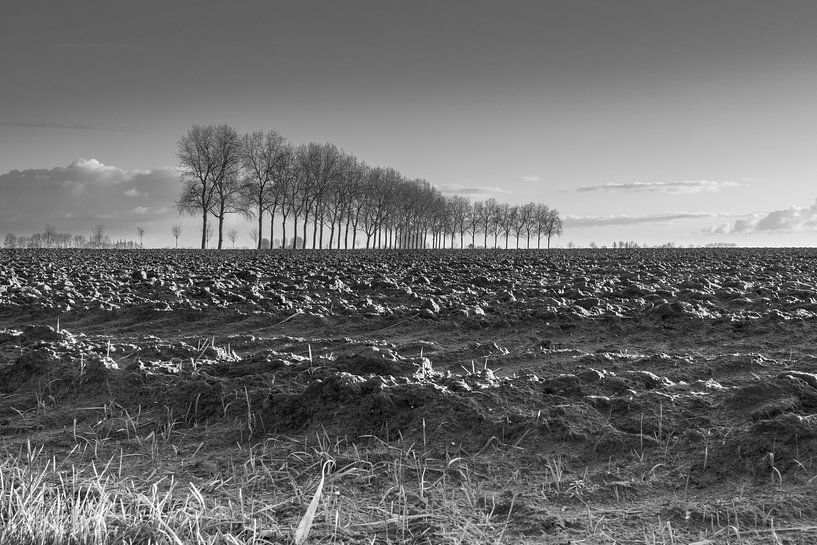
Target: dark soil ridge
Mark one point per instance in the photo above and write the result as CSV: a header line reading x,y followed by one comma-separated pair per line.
x,y
748,428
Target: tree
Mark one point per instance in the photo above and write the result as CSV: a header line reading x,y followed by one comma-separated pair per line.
x,y
98,235
506,219
553,225
11,240
540,218
232,235
176,231
208,233
254,235
208,155
79,241
459,211
262,158
50,236
141,232
317,167
227,187
527,220
493,218
520,223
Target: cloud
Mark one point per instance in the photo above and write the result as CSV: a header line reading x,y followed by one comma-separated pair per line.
x,y
692,186
86,192
578,222
788,220
473,190
133,192
528,179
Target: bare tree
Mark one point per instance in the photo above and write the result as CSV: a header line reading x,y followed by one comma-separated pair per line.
x,y
262,156
341,193
284,196
459,210
553,224
494,212
208,155
176,231
254,235
228,187
232,234
355,182
539,220
79,241
50,236
141,232
317,165
505,220
11,240
208,233
98,235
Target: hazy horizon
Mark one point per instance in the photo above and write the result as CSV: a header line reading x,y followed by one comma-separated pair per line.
x,y
689,123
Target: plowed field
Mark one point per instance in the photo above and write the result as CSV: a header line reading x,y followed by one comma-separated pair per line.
x,y
619,396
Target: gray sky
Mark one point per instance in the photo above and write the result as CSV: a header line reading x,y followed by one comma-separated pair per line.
x,y
652,121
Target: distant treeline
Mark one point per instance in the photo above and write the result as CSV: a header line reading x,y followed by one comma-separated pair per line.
x,y
50,238
261,175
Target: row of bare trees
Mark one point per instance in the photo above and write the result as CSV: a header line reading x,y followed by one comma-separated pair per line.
x,y
261,175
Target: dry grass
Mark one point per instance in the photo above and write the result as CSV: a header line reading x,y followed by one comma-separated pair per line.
x,y
167,485
125,482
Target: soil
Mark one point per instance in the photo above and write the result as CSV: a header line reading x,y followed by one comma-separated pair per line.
x,y
618,396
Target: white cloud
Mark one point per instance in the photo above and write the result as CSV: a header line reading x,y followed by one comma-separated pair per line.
x,y
688,186
85,192
472,190
578,222
133,192
788,220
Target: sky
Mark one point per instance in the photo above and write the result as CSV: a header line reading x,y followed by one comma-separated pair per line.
x,y
689,122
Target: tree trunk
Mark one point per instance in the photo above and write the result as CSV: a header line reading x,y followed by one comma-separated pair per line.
x,y
346,235
314,231
220,230
261,227
271,229
203,232
306,222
